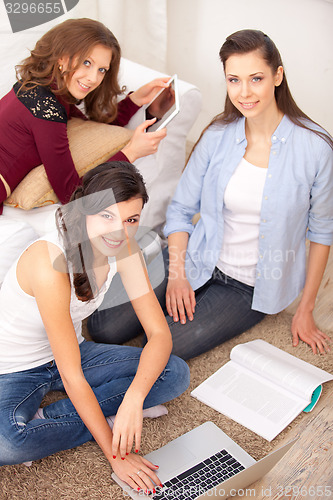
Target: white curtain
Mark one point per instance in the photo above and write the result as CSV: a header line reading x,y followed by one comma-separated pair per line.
x,y
140,27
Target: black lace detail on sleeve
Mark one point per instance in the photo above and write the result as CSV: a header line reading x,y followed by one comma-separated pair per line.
x,y
42,103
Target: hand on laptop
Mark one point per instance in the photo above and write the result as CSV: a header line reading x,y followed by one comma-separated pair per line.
x,y
127,427
137,472
131,468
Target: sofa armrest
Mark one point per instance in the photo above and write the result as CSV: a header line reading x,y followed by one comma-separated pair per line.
x,y
162,170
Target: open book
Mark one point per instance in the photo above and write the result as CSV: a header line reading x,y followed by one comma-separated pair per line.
x,y
262,387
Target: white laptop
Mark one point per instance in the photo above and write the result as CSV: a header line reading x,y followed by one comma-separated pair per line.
x,y
205,463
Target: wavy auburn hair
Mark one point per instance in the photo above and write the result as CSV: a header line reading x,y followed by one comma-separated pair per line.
x,y
109,183
243,42
75,39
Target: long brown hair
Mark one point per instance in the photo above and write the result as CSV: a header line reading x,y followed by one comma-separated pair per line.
x,y
74,38
243,42
108,183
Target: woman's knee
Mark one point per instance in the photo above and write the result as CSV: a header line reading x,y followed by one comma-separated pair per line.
x,y
113,326
11,440
188,340
179,375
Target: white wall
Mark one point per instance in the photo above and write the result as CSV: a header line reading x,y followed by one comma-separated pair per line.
x,y
141,28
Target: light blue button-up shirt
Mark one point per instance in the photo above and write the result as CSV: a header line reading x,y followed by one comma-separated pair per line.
x,y
297,203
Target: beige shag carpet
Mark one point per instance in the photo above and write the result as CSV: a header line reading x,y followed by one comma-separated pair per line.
x,y
84,473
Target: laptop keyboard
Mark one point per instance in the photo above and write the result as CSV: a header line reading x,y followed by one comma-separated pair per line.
x,y
200,478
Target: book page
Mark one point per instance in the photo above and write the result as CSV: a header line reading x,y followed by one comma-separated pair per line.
x,y
250,400
283,369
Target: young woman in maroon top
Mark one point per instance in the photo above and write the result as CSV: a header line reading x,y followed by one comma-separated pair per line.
x,y
77,60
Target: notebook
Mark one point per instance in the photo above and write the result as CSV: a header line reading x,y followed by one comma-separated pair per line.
x,y
205,463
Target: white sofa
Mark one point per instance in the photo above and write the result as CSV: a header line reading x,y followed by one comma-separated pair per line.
x,y
161,171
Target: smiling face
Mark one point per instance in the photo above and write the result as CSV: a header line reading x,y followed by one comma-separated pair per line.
x,y
251,84
90,73
112,228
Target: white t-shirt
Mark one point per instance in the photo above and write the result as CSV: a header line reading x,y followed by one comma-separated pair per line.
x,y
23,340
241,213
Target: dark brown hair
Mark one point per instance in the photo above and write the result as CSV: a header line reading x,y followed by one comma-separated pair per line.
x,y
113,182
74,38
243,42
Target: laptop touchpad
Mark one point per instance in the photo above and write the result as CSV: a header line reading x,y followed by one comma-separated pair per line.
x,y
172,458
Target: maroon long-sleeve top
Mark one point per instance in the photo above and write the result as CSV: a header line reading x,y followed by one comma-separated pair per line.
x,y
33,130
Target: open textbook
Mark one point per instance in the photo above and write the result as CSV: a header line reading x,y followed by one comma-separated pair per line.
x,y
261,387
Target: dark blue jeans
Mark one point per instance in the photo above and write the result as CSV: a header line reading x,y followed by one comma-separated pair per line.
x,y
223,310
109,369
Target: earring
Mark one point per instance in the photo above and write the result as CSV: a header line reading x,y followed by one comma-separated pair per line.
x,y
60,68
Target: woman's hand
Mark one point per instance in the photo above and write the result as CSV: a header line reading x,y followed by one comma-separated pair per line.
x,y
180,298
137,472
127,426
133,469
147,92
143,143
303,327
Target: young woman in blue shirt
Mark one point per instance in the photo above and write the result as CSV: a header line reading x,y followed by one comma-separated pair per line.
x,y
261,177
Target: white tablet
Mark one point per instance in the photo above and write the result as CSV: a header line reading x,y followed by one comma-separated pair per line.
x,y
164,106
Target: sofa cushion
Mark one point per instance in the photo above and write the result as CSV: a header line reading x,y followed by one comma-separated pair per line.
x,y
91,143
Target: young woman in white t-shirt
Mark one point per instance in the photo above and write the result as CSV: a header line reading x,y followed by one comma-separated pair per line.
x,y
56,282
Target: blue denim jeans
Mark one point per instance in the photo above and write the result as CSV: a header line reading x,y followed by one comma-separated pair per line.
x,y
223,310
109,369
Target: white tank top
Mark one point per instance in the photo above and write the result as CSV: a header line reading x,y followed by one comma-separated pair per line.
x,y
241,214
23,340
